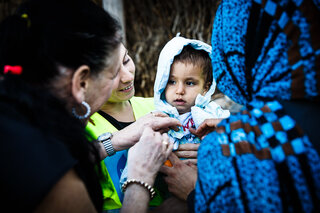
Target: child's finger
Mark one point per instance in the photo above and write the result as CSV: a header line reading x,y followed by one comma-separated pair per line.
x,y
193,131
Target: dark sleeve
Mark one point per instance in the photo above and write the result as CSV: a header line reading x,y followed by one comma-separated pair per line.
x,y
190,201
30,163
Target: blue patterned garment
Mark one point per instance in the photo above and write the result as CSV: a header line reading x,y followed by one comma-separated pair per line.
x,y
260,160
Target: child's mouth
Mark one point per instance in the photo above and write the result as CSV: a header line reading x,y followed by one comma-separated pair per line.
x,y
179,102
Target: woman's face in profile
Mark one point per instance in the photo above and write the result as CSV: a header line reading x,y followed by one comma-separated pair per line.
x,y
125,89
102,85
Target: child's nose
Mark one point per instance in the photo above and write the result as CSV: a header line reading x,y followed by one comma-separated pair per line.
x,y
180,89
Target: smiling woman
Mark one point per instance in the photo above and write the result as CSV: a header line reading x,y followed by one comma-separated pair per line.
x,y
58,58
57,75
121,110
125,89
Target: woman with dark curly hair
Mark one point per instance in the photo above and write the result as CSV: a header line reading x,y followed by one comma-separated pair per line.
x,y
60,62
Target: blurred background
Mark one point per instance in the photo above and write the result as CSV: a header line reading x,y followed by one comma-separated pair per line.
x,y
148,25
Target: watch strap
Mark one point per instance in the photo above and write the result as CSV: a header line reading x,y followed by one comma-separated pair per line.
x,y
108,147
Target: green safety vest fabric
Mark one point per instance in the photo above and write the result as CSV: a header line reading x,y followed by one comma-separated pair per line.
x,y
99,125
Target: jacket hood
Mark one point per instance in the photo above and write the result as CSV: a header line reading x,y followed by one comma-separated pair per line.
x,y
167,54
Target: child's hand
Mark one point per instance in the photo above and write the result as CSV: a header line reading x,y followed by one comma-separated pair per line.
x,y
206,127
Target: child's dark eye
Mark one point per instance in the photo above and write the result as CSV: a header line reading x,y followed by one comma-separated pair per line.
x,y
190,83
172,82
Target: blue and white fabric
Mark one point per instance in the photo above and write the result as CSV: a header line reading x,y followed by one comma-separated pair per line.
x,y
260,159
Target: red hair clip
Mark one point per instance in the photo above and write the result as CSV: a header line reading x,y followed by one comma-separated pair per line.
x,y
15,70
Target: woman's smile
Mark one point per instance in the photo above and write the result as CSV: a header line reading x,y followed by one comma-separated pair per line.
x,y
127,89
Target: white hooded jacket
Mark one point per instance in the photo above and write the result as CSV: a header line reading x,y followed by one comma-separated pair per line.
x,y
204,108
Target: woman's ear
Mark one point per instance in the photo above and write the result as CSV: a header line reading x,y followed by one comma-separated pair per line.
x,y
80,82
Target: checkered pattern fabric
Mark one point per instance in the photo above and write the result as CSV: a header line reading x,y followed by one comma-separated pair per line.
x,y
276,136
282,59
260,160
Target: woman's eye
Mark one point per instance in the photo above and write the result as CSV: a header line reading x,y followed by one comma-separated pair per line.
x,y
126,60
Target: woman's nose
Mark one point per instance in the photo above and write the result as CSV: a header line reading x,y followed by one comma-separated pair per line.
x,y
126,75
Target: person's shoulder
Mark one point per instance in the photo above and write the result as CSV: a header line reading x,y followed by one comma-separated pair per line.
x,y
30,158
141,106
21,138
143,103
17,128
142,99
98,125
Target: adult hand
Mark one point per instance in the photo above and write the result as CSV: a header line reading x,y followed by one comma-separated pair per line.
x,y
144,160
162,126
189,151
130,135
181,178
206,127
147,156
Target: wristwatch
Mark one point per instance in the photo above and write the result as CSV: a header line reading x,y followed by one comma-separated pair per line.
x,y
105,139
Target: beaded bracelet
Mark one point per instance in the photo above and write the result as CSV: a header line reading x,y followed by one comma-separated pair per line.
x,y
145,185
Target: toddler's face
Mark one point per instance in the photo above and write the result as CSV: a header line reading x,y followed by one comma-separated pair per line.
x,y
185,83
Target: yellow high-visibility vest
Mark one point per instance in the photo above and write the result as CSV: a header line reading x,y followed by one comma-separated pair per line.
x,y
99,125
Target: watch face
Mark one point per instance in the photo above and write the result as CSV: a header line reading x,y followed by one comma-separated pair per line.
x,y
104,136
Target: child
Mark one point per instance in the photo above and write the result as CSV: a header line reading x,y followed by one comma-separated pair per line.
x,y
184,85
183,88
